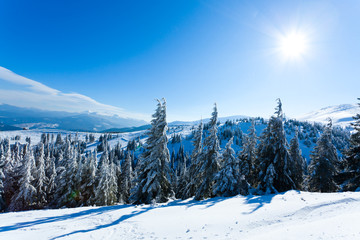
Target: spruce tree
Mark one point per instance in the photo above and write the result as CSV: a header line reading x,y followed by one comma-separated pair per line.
x,y
41,180
2,179
51,176
126,179
247,156
274,159
25,197
322,167
298,162
183,177
353,157
11,172
106,190
88,179
153,171
193,173
66,192
209,163
59,140
227,181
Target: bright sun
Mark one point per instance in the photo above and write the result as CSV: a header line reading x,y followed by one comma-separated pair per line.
x,y
293,45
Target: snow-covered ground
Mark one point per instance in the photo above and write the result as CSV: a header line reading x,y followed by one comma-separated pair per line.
x,y
290,215
35,136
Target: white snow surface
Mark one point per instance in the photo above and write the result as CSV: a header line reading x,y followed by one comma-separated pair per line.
x,y
341,115
290,215
35,136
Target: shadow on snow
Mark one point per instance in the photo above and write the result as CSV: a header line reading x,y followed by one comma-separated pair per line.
x,y
122,218
84,213
258,201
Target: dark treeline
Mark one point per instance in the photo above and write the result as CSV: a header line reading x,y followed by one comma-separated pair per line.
x,y
61,172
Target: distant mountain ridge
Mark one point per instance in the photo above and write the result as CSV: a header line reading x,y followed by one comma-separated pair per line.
x,y
33,118
341,115
206,120
4,127
15,118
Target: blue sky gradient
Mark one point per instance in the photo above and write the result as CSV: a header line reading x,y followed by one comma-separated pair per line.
x,y
193,53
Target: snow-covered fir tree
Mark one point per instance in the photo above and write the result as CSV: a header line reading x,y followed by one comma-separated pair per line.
x,y
182,176
227,180
353,157
193,173
247,156
209,162
59,140
180,159
41,180
298,162
106,191
322,167
274,160
118,173
66,192
153,172
51,176
126,179
87,182
11,171
25,197
2,179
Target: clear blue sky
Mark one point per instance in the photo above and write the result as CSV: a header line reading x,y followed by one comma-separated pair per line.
x,y
193,53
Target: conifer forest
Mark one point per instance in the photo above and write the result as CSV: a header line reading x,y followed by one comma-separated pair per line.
x,y
245,156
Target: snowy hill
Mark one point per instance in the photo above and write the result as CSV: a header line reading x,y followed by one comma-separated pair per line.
x,y
308,135
341,115
33,118
290,215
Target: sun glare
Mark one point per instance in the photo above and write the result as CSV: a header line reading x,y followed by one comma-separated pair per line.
x,y
293,45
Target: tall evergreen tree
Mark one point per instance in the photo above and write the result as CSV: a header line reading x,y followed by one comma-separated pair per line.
x,y
152,183
353,157
59,140
298,164
273,157
209,165
247,156
11,172
183,177
88,179
25,196
227,181
51,176
41,180
126,179
66,192
322,167
193,173
2,179
106,190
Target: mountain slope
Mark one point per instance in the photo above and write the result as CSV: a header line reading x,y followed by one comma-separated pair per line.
x,y
341,115
33,118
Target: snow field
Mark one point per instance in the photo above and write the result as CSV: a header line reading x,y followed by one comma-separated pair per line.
x,y
290,215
